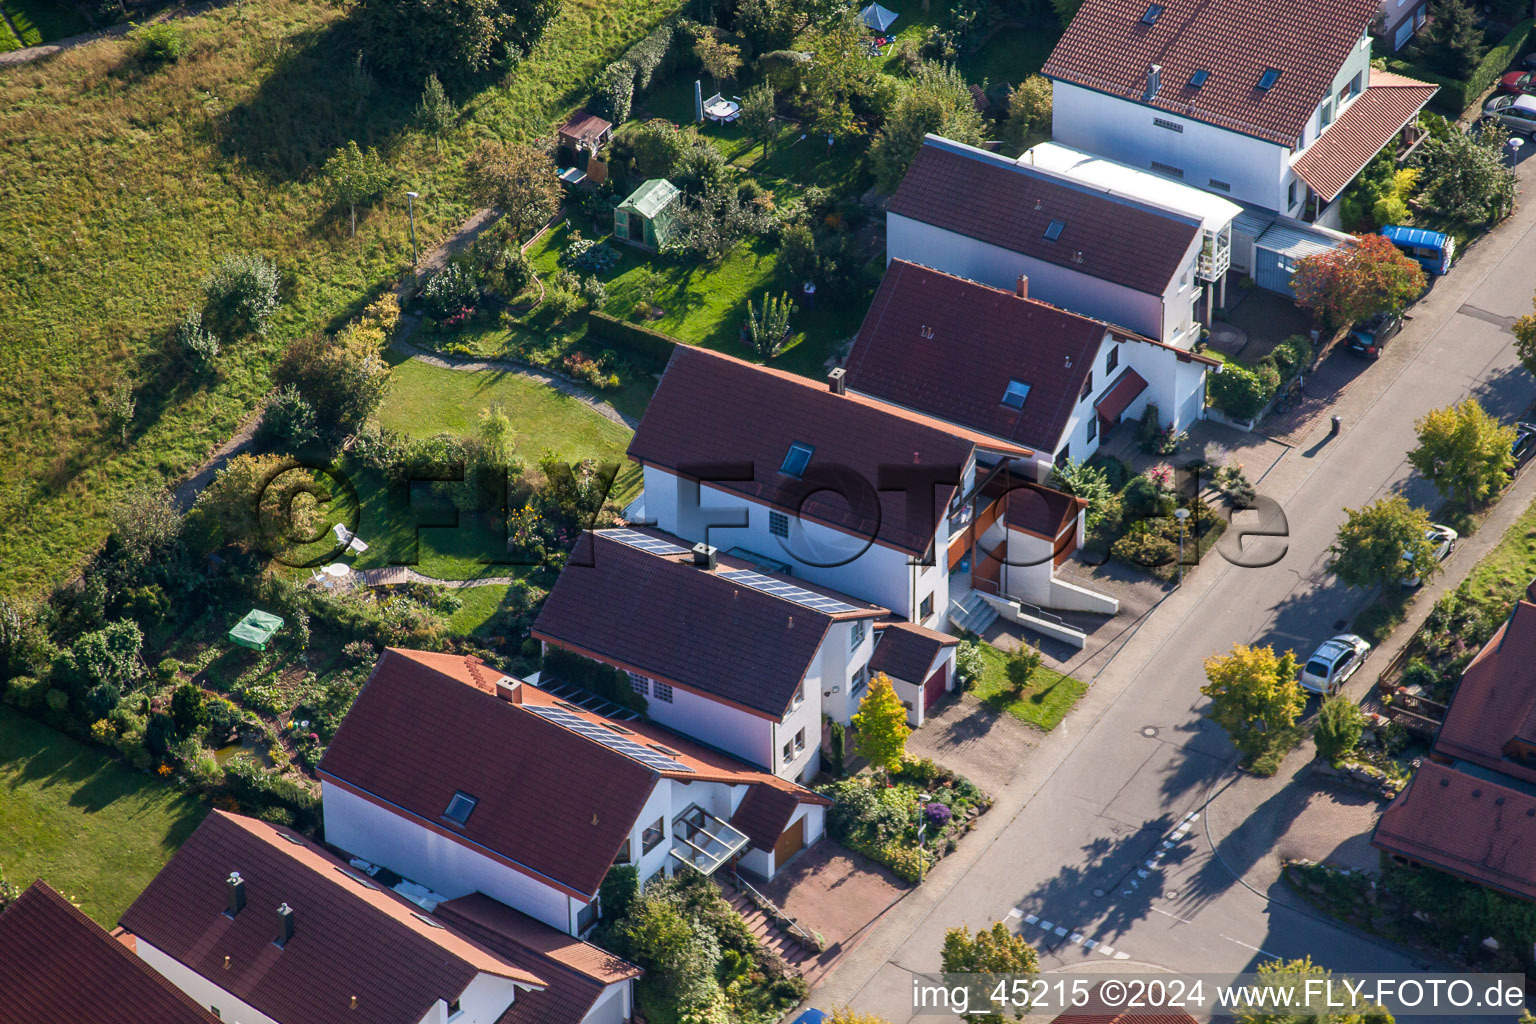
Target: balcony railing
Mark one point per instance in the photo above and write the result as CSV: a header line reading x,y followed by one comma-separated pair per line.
x,y
703,841
1215,256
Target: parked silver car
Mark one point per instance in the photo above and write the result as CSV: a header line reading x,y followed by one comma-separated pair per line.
x,y
1333,663
1444,539
1517,113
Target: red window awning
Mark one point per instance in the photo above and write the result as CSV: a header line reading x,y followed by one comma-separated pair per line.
x,y
1120,395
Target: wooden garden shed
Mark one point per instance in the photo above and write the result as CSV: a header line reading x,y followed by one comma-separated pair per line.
x,y
645,218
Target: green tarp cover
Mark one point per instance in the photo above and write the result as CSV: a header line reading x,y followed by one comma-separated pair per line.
x,y
255,630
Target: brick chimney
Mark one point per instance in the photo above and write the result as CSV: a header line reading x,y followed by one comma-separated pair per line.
x,y
1021,287
284,926
236,888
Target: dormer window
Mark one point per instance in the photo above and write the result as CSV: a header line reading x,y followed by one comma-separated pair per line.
x,y
1268,79
1152,13
460,808
798,458
1197,79
1016,393
1054,229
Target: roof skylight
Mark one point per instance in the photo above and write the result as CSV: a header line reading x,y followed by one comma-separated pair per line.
x,y
1153,12
798,458
1269,78
460,808
1197,79
1016,393
1054,229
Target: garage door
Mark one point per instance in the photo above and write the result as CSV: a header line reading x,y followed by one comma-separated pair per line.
x,y
791,842
934,688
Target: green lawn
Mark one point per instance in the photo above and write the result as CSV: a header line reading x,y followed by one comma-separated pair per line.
x,y
1502,575
1011,55
479,610
121,185
1044,703
91,827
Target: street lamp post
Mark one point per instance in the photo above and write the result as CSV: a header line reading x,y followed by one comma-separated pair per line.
x,y
410,207
1181,514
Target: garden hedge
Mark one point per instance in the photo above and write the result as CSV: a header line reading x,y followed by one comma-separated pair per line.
x,y
1459,94
632,338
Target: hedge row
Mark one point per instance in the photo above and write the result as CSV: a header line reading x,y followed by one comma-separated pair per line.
x,y
632,338
1459,94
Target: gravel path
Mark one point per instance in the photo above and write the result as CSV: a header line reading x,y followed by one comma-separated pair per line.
x,y
30,53
394,575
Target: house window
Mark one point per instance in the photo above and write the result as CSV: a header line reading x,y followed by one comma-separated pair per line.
x,y
1112,358
1064,456
1172,126
798,458
860,681
460,807
1093,427
1356,82
215,1011
799,741
800,694
652,836
1015,394
1224,186
778,524
789,752
925,609
1168,169
1290,196
856,637
1087,387
663,691
639,683
1326,117
454,1009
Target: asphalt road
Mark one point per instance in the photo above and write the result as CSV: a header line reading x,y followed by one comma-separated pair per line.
x,y
1107,800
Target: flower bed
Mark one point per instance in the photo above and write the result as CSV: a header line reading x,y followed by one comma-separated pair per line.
x,y
909,825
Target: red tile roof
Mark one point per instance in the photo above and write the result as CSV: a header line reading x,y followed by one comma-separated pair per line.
x,y
1466,826
665,618
57,966
994,200
550,800
763,814
977,339
1118,398
1042,510
349,939
1108,48
577,973
711,408
905,650
1495,702
1370,123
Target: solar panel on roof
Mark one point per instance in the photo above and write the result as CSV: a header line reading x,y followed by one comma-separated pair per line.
x,y
599,734
788,591
645,542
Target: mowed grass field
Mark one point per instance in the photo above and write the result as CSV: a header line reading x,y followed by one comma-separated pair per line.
x,y
89,826
121,185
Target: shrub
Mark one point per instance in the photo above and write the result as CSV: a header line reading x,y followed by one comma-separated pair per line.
x,y
1293,355
620,888
450,295
1340,723
289,421
188,710
1023,662
161,43
200,344
767,324
969,664
614,91
837,749
1239,392
241,294
25,692
1145,496
1145,547
159,733
1418,674
589,254
938,815
594,291
637,341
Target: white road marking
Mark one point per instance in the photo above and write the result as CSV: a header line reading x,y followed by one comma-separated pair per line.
x,y
1091,943
1176,917
1031,918
1076,937
1046,925
1015,912
1141,873
1107,950
1122,956
1256,949
1060,932
1178,837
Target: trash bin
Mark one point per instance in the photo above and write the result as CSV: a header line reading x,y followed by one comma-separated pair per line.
x,y
807,295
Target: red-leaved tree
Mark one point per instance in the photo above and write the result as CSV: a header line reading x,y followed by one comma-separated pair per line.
x,y
1346,285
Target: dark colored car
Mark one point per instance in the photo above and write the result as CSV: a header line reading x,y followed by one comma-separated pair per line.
x,y
1519,82
1528,62
1369,337
1525,443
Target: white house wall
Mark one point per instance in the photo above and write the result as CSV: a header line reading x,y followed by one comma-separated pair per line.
x,y
483,1001
383,837
967,257
203,991
1175,386
1122,129
612,1007
738,732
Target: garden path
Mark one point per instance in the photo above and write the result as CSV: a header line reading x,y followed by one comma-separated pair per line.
x,y
28,54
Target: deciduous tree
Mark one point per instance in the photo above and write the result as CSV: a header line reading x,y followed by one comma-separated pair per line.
x,y
518,180
1029,108
1382,542
938,101
353,177
882,725
453,39
435,113
1464,452
1292,976
757,115
1352,283
835,74
993,952
1090,483
1525,339
1023,662
721,60
1465,177
1253,693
